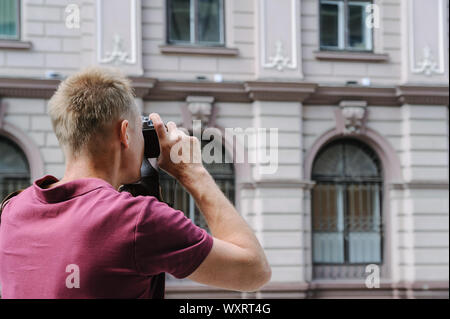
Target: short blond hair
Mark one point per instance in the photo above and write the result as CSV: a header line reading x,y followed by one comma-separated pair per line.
x,y
86,102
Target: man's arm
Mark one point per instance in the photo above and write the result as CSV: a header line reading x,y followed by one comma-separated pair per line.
x,y
237,260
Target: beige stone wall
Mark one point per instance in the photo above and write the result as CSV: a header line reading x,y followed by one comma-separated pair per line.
x,y
387,40
239,34
54,47
417,223
30,117
58,48
279,213
278,210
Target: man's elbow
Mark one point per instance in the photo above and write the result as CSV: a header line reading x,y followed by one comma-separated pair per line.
x,y
264,276
259,275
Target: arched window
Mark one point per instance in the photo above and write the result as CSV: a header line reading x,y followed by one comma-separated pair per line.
x,y
177,197
346,210
14,168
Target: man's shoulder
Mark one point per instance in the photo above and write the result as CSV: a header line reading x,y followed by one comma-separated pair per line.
x,y
5,200
126,199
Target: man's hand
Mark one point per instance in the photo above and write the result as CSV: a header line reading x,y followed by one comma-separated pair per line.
x,y
180,153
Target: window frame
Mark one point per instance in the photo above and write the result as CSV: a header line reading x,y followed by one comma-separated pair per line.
x,y
195,26
343,183
343,27
18,24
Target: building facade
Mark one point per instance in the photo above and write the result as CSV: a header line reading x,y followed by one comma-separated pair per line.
x,y
358,93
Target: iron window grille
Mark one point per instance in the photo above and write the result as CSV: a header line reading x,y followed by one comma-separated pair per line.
x,y
346,207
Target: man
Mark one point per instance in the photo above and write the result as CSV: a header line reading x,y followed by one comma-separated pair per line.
x,y
79,237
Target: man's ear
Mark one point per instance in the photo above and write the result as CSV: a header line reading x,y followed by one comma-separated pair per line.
x,y
123,134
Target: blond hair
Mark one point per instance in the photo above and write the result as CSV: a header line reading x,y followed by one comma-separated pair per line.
x,y
86,102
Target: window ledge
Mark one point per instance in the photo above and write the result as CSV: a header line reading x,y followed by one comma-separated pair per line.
x,y
15,44
349,56
198,50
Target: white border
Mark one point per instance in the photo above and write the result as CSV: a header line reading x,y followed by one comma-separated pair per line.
x,y
294,22
133,33
441,35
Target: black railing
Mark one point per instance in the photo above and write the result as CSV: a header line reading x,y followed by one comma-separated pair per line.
x,y
178,198
347,228
9,186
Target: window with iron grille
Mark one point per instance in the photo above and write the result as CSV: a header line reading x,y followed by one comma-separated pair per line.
x,y
177,197
195,22
346,208
9,19
344,25
14,169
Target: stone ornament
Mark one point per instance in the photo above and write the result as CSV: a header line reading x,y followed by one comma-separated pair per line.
x,y
351,117
118,55
199,108
279,61
428,64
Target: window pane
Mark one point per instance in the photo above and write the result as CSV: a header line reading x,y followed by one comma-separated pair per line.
x,y
329,25
330,162
209,21
328,213
8,19
359,34
349,159
12,160
180,20
364,223
360,162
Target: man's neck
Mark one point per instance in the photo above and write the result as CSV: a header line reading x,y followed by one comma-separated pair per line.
x,y
84,169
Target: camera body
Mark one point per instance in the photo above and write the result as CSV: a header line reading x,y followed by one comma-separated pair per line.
x,y
152,149
148,185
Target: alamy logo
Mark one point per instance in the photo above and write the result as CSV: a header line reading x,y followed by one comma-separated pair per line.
x,y
373,16
373,279
73,16
252,145
73,280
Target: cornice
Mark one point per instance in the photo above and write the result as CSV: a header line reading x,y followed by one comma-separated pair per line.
x,y
333,95
152,89
426,95
279,91
179,91
422,184
28,88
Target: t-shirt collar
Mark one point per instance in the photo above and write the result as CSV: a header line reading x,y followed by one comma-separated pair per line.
x,y
67,190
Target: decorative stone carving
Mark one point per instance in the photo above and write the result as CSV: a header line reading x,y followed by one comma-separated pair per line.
x,y
200,108
279,52
424,49
118,55
428,65
279,61
119,35
351,117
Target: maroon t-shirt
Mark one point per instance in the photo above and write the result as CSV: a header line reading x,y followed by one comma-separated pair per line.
x,y
84,239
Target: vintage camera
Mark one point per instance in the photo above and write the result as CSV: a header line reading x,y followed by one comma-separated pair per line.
x,y
152,149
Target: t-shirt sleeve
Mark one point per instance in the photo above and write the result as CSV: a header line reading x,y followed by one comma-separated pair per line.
x,y
167,241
